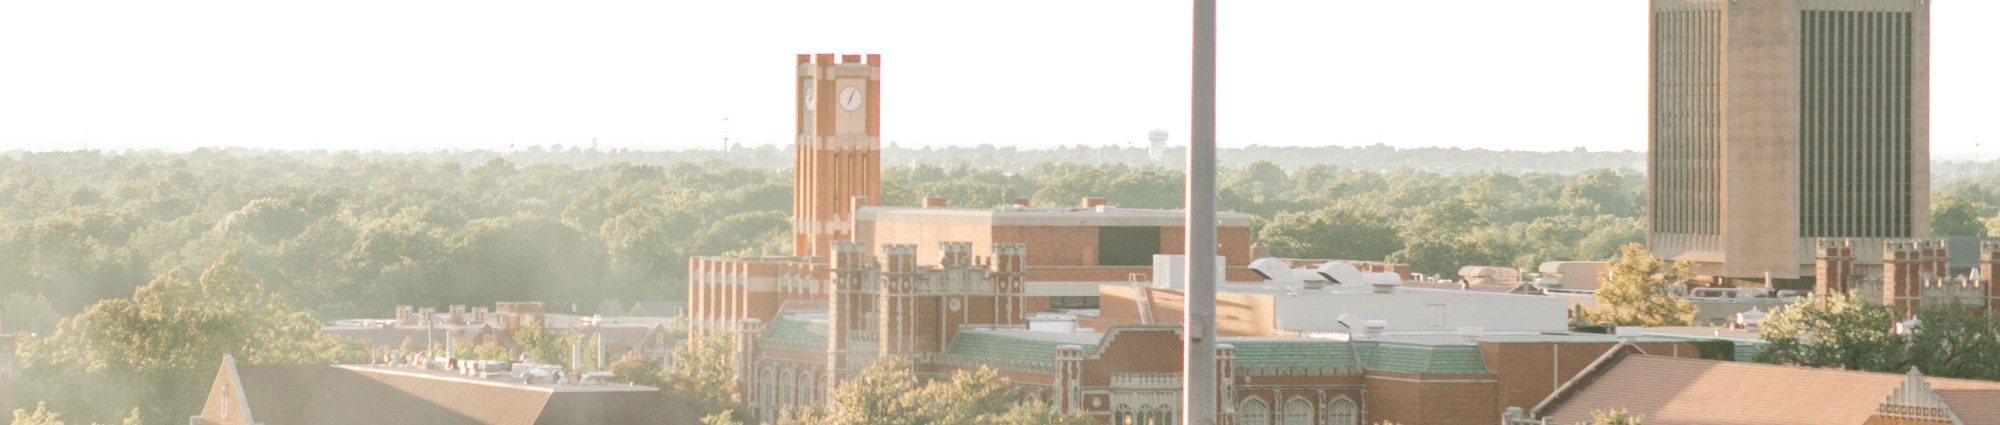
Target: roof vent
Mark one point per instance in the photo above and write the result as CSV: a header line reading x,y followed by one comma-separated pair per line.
x,y
1383,287
1630,333
1374,327
1471,333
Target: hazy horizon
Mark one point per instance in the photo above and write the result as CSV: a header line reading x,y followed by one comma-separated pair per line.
x,y
394,76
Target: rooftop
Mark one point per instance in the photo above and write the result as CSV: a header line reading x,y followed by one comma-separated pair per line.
x,y
1100,216
1670,390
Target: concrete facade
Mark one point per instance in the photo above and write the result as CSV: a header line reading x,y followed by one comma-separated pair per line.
x,y
1776,121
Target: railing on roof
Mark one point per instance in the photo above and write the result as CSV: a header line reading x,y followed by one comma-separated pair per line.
x,y
1142,297
1147,381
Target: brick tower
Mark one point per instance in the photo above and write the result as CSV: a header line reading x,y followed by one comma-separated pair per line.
x,y
1834,263
1989,273
1904,270
839,148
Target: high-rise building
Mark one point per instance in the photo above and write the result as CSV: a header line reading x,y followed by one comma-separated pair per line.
x,y
1775,122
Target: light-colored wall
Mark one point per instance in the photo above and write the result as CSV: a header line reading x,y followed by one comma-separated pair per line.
x,y
1760,124
1408,310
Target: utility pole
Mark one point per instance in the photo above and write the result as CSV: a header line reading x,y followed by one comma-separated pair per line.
x,y
1198,385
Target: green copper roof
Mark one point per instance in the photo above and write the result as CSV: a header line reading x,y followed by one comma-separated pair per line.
x,y
792,330
1424,359
1019,347
1292,353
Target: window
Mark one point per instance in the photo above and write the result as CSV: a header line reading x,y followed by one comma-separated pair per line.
x,y
1434,315
784,388
1298,412
1342,412
806,384
1127,245
766,404
1072,303
1253,412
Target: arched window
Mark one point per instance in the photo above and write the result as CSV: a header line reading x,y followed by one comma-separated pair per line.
x,y
785,388
1343,412
767,405
806,384
1253,412
1298,411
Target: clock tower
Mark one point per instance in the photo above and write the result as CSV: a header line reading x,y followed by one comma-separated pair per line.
x,y
838,168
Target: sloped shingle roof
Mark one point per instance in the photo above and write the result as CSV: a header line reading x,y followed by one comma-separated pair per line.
x,y
1667,391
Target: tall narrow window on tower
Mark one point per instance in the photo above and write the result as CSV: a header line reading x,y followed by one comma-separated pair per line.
x,y
839,148
1774,122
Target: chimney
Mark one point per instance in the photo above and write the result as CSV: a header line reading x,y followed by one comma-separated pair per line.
x,y
426,315
935,202
457,316
1093,202
1021,202
405,316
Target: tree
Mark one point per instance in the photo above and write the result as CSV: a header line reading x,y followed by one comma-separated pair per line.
x,y
1335,232
1951,341
1632,296
546,346
887,393
1613,417
41,416
635,369
23,313
704,374
151,349
1835,330
1449,234
1953,216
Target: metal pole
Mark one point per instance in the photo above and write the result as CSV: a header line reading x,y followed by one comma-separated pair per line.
x,y
1198,398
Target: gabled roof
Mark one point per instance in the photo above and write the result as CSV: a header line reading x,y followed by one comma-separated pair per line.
x,y
657,308
1666,390
351,394
800,330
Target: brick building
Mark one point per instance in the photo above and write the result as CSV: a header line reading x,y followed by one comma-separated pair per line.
x,y
1913,272
1062,300
1668,390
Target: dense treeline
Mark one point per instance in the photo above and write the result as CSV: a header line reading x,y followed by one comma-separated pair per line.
x,y
1435,222
348,234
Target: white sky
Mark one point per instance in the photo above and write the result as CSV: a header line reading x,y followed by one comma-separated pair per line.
x,y
405,74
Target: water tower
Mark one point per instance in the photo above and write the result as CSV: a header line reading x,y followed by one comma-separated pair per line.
x,y
1159,147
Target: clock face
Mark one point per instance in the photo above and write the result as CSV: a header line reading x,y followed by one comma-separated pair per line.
x,y
850,98
810,98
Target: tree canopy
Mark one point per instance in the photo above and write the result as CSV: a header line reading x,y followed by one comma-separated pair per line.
x,y
1631,295
887,393
157,349
1846,331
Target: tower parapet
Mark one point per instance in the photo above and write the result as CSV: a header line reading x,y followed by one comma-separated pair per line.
x,y
1906,265
1833,266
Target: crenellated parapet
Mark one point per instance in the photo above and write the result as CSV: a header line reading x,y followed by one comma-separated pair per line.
x,y
1833,266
